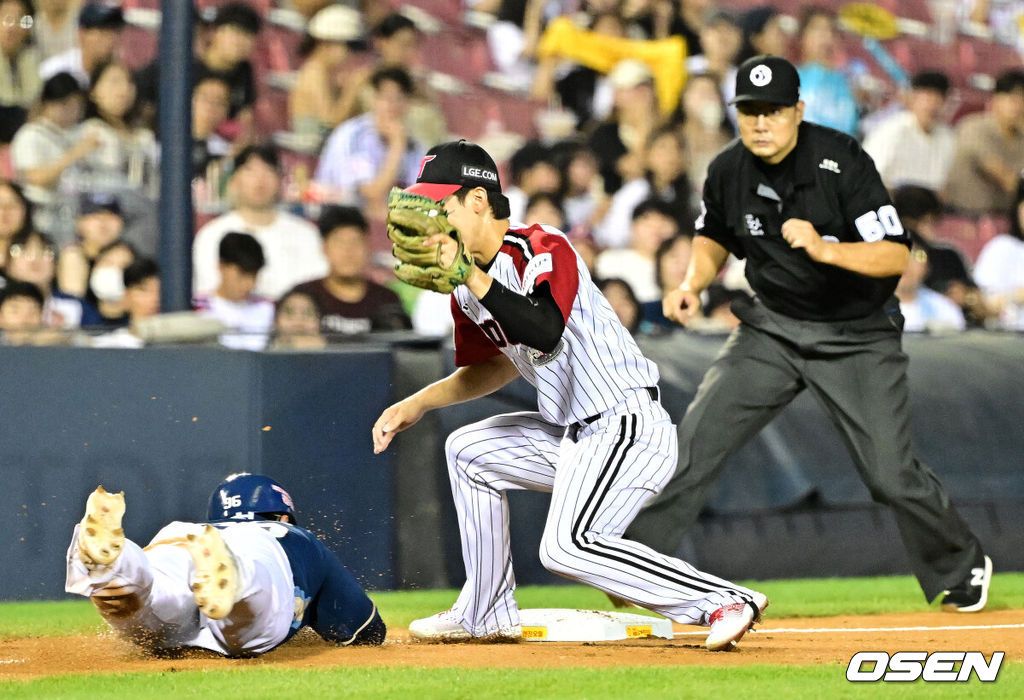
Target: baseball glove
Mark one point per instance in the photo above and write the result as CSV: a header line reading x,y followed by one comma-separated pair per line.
x,y
412,219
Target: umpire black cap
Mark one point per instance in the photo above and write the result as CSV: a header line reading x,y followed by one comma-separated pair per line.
x,y
766,78
450,166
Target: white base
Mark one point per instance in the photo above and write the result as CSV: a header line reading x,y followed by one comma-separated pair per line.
x,y
562,625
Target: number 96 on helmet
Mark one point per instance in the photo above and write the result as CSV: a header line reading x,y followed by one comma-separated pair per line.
x,y
247,496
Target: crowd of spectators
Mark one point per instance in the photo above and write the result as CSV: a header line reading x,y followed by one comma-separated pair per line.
x,y
288,250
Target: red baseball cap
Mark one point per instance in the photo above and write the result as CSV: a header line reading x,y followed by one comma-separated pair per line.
x,y
450,166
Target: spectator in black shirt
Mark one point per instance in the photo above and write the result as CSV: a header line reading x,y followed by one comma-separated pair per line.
x,y
231,41
824,248
919,209
350,303
211,100
763,33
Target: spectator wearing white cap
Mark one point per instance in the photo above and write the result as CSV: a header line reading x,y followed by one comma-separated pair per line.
x,y
321,99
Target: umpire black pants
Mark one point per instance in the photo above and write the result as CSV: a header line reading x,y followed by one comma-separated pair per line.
x,y
857,372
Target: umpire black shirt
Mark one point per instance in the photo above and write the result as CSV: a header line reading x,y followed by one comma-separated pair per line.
x,y
826,179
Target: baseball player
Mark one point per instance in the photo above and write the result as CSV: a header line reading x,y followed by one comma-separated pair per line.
x,y
601,443
241,584
824,248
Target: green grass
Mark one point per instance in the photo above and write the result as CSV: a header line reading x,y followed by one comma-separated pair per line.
x,y
796,598
759,681
816,597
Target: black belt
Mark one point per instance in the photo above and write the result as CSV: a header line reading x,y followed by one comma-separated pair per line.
x,y
576,427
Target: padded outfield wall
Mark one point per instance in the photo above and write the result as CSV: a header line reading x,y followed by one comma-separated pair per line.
x,y
166,424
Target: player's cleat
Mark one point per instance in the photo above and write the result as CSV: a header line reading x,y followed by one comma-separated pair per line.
x,y
972,594
215,575
445,627
730,622
101,538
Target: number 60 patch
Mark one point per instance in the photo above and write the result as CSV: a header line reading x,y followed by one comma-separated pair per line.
x,y
876,225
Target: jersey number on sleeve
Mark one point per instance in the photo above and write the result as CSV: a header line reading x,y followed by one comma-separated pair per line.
x,y
874,226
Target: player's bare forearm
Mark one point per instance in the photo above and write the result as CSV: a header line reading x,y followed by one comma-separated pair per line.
x,y
464,384
468,383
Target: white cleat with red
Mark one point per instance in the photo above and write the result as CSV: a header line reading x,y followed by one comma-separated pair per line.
x,y
730,622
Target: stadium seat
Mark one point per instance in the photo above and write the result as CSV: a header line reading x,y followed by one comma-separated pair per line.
x,y
979,55
469,114
6,167
139,47
970,234
461,53
271,112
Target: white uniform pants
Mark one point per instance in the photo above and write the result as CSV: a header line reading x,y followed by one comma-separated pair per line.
x,y
597,485
146,595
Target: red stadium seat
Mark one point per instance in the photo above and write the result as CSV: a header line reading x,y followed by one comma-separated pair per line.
x,y
469,114
6,167
138,47
461,53
981,56
970,235
271,112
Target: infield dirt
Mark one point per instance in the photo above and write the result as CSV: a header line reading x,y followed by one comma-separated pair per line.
x,y
795,641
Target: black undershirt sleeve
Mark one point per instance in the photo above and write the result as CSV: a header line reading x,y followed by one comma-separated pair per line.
x,y
533,320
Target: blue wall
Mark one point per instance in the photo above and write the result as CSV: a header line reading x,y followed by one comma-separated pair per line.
x,y
166,425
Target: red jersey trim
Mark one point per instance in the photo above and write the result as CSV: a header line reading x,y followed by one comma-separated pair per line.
x,y
472,344
553,256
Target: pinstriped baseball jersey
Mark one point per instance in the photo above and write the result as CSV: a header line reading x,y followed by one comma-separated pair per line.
x,y
595,362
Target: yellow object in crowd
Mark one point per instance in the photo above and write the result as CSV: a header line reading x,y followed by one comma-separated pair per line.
x,y
865,19
665,57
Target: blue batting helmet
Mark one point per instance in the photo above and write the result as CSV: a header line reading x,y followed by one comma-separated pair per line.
x,y
248,497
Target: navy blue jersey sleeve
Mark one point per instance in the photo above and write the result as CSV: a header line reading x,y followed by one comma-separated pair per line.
x,y
340,611
333,603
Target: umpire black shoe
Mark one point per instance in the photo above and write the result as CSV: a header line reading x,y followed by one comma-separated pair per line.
x,y
972,594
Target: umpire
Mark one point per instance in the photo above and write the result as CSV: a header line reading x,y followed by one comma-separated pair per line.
x,y
824,248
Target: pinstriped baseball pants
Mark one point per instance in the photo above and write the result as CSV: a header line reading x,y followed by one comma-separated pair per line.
x,y
597,485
